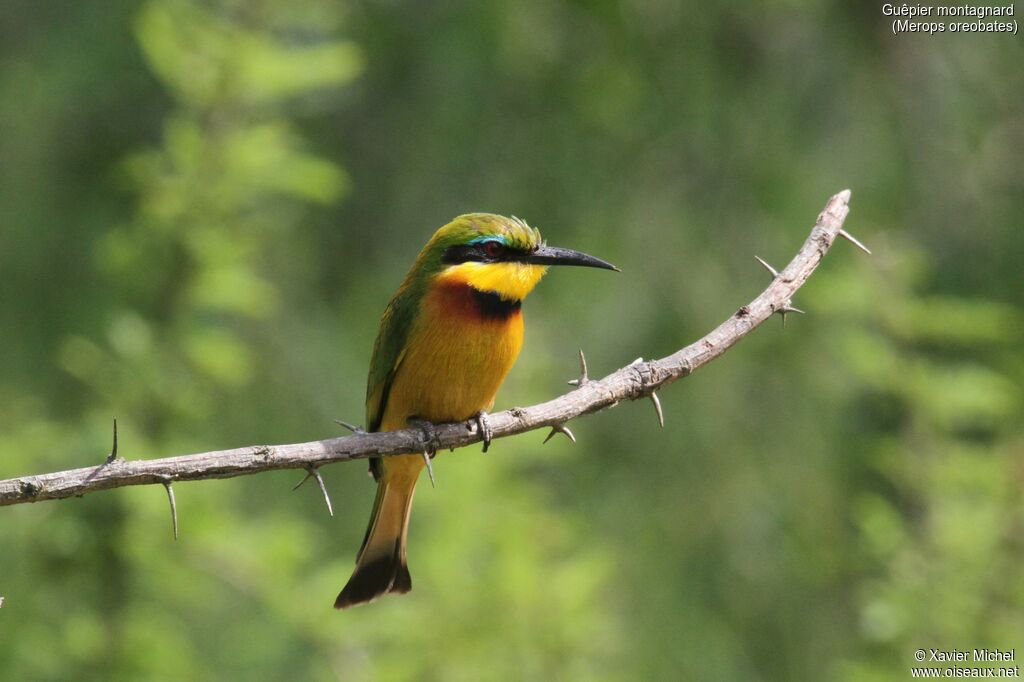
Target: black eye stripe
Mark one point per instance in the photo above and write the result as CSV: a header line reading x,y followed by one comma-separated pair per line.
x,y
463,253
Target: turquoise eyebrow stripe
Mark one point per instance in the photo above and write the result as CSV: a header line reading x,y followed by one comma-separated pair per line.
x,y
488,238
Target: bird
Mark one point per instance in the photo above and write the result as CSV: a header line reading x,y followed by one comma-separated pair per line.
x,y
447,339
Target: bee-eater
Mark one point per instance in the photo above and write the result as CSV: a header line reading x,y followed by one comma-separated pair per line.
x,y
447,339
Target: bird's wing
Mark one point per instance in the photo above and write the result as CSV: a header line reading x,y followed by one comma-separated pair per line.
x,y
378,390
388,351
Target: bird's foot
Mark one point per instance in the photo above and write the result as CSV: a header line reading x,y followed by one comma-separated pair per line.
x,y
484,425
429,443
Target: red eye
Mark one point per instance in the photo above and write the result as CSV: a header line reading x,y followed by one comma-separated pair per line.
x,y
493,249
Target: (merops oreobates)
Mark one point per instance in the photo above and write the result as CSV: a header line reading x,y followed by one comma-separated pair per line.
x,y
447,339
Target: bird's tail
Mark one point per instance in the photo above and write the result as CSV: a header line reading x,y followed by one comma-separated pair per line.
x,y
381,565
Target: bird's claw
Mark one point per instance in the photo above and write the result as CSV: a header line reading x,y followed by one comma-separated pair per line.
x,y
484,425
429,442
428,434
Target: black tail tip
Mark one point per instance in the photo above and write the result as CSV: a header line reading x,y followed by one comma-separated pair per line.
x,y
374,579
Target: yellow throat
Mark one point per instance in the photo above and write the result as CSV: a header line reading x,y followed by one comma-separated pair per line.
x,y
511,281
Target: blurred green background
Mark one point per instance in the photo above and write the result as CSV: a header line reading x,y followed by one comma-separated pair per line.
x,y
205,205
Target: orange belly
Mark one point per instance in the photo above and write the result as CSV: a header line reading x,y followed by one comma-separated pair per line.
x,y
456,359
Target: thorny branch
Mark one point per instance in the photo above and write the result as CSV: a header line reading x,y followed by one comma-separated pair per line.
x,y
640,379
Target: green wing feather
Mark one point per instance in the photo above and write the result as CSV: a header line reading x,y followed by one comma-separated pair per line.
x,y
388,352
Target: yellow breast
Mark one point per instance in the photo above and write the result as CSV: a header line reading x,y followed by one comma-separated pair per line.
x,y
455,360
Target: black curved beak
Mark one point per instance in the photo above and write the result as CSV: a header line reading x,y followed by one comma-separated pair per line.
x,y
554,255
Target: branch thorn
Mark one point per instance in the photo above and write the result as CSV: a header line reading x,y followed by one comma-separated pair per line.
x,y
351,427
657,407
113,450
787,307
560,428
174,505
314,472
430,469
853,240
584,378
762,261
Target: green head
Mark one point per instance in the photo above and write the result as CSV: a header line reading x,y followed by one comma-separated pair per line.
x,y
495,254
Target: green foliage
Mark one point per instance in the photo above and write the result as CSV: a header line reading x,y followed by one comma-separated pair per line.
x,y
207,204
